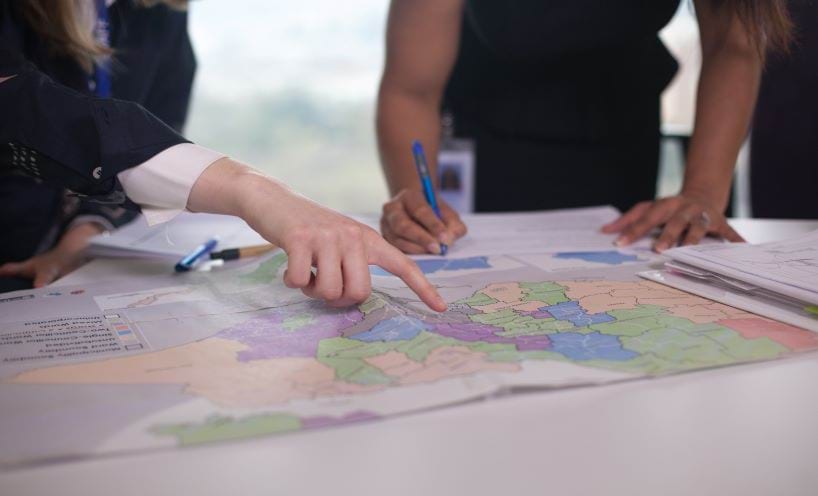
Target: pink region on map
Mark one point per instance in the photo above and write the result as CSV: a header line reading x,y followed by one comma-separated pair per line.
x,y
794,338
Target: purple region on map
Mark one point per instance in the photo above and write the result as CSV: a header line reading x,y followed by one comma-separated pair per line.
x,y
276,336
327,421
471,332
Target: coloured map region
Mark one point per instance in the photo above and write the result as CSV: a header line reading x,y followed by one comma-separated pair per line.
x,y
430,266
610,257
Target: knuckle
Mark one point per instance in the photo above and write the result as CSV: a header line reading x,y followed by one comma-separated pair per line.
x,y
359,294
299,236
292,281
328,234
420,211
390,206
352,231
332,293
403,225
395,216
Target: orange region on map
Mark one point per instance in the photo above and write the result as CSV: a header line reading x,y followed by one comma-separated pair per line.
x,y
794,338
447,361
208,368
603,296
508,295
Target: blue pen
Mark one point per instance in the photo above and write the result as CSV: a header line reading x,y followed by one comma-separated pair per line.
x,y
190,259
426,183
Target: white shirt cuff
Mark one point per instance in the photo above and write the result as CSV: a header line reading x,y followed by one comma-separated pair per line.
x,y
161,186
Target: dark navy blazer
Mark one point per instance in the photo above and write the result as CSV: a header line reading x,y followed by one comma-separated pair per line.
x,y
55,136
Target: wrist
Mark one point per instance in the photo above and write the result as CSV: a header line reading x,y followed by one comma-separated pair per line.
x,y
715,198
260,198
77,237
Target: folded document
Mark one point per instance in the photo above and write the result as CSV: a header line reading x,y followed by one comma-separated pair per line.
x,y
778,280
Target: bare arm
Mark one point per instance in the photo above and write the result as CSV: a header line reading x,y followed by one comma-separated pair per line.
x,y
728,85
421,48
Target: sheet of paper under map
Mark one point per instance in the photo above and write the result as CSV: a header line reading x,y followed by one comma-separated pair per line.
x,y
184,360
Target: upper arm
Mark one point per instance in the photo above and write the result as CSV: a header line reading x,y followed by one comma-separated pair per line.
x,y
721,29
421,45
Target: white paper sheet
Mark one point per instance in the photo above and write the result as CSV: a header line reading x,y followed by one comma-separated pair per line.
x,y
175,238
787,267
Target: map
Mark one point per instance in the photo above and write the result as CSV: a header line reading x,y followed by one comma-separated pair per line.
x,y
234,354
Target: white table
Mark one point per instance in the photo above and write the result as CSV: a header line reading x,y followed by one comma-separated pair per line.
x,y
750,430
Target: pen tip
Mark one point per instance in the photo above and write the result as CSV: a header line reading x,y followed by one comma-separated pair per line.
x,y
444,249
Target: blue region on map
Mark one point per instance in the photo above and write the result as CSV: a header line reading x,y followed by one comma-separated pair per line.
x,y
400,328
610,257
592,346
575,314
433,265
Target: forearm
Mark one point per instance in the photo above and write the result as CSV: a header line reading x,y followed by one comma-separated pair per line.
x,y
728,86
229,187
404,117
76,238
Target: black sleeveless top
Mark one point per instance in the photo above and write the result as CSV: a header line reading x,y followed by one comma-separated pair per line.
x,y
544,81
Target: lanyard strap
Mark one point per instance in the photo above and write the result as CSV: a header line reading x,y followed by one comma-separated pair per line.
x,y
101,83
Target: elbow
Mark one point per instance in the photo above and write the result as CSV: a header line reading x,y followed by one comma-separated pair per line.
x,y
395,89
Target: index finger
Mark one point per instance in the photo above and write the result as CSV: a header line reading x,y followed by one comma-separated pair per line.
x,y
627,218
730,234
390,258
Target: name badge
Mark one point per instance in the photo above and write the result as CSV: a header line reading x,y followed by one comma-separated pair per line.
x,y
456,174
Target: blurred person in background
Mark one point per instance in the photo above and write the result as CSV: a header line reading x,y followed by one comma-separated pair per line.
x,y
561,100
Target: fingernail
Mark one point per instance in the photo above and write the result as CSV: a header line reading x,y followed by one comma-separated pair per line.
x,y
433,248
621,241
445,238
660,247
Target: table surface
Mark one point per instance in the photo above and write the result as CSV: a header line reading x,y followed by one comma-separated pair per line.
x,y
750,429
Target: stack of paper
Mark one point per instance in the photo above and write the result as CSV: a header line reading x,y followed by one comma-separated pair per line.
x,y
777,279
176,238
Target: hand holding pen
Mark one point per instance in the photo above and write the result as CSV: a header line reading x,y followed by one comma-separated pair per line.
x,y
416,221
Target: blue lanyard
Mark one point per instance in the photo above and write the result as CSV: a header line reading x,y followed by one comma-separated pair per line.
x,y
102,71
